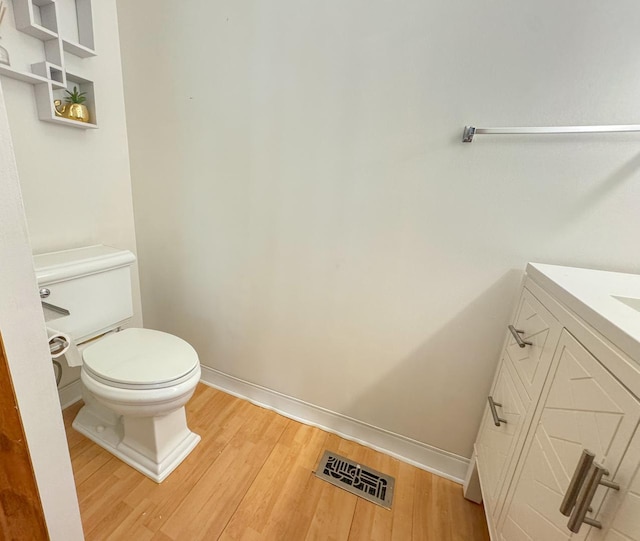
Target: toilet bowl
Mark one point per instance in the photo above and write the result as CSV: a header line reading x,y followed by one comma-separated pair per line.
x,y
135,382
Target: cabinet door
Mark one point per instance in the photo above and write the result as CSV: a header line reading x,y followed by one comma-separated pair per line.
x,y
626,526
585,407
540,328
620,512
495,445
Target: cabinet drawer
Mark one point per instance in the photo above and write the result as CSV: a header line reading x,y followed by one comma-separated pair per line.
x,y
585,407
496,445
542,331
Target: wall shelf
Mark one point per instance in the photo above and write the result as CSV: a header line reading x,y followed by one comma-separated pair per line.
x,y
77,50
39,32
22,76
51,73
70,123
85,46
39,19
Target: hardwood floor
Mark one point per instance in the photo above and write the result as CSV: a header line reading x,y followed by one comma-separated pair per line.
x,y
251,478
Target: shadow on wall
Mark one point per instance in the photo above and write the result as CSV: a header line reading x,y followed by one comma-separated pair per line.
x,y
604,188
443,384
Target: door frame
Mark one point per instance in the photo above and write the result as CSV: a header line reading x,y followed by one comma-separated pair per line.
x,y
21,515
28,358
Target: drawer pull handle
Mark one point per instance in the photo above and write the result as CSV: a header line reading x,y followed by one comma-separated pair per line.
x,y
516,335
579,515
579,475
492,406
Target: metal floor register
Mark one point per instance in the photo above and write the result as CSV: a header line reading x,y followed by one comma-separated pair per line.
x,y
357,479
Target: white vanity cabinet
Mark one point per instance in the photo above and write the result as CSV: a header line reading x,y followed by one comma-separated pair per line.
x,y
527,355
565,392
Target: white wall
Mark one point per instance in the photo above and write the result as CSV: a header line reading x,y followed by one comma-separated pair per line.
x,y
309,219
23,334
76,183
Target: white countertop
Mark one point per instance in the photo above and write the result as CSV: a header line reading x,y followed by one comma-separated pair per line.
x,y
591,294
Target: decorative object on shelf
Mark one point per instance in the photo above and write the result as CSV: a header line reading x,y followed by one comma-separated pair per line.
x,y
74,109
4,54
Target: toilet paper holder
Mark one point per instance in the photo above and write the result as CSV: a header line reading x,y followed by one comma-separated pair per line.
x,y
57,345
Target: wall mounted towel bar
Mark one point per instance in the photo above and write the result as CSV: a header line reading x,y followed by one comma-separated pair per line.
x,y
470,131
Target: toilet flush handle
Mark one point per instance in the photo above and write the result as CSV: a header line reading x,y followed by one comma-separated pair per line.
x,y
44,293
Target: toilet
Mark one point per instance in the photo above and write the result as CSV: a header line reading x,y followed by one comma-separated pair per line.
x,y
135,382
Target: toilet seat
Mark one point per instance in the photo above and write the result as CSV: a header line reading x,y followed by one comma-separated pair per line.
x,y
140,359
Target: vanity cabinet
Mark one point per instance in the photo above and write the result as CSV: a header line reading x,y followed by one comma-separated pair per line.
x,y
585,408
563,392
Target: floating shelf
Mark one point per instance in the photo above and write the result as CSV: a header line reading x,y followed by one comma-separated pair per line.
x,y
77,50
22,76
86,44
39,32
51,72
45,97
70,123
39,18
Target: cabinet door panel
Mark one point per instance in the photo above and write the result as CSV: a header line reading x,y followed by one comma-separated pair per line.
x,y
495,445
620,512
626,524
585,408
543,331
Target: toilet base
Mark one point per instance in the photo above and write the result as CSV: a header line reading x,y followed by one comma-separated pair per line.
x,y
145,446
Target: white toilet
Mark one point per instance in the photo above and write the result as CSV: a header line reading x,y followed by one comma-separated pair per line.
x,y
135,382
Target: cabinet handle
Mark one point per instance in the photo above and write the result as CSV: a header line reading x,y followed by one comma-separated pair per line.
x,y
579,514
492,406
579,475
516,335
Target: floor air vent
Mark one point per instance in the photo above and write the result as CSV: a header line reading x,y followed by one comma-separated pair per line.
x,y
357,479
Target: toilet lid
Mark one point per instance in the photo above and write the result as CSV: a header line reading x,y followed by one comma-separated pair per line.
x,y
140,358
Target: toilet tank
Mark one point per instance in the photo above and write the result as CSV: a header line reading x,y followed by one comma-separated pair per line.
x,y
93,284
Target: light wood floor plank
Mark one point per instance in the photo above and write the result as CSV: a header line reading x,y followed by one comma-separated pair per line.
x,y
88,461
402,527
180,483
383,518
272,485
334,512
251,479
307,444
132,527
424,512
159,536
215,498
309,497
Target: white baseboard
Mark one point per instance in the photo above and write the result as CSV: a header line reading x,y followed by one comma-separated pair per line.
x,y
70,394
413,452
